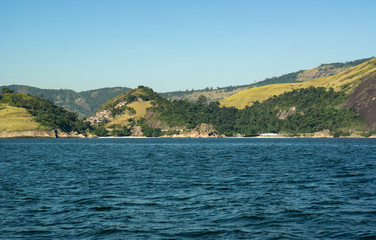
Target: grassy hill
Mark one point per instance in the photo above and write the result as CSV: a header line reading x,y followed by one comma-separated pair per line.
x,y
324,70
20,112
347,79
301,111
17,119
84,103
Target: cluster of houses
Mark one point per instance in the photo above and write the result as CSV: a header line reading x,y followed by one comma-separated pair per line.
x,y
120,104
104,115
99,117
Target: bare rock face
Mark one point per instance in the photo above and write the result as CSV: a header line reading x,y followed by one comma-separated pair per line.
x,y
42,134
29,134
61,134
201,131
356,135
363,99
137,132
284,114
89,135
323,134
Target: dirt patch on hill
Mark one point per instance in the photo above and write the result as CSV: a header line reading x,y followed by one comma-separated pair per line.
x,y
363,99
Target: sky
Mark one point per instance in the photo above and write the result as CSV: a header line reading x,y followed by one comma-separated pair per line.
x,y
172,45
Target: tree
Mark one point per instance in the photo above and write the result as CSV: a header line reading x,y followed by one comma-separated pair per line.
x,y
202,100
100,130
7,90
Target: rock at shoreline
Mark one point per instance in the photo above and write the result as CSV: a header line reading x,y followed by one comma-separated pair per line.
x,y
43,134
323,134
201,131
29,134
137,132
61,134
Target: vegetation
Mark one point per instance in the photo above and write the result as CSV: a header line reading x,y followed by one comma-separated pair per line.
x,y
16,119
316,109
83,103
324,70
45,112
100,131
6,90
119,130
345,80
291,108
87,103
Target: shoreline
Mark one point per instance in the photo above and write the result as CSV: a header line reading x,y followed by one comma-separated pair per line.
x,y
54,134
256,137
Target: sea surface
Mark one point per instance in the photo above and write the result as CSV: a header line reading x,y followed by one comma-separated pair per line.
x,y
188,189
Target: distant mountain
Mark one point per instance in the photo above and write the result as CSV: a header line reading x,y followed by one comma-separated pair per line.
x,y
324,70
84,103
97,97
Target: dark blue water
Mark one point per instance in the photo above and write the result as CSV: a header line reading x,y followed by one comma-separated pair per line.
x,y
188,188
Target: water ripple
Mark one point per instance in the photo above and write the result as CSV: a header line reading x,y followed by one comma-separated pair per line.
x,y
188,188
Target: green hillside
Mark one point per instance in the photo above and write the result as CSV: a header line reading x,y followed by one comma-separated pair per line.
x,y
346,79
324,70
301,111
84,103
19,112
17,119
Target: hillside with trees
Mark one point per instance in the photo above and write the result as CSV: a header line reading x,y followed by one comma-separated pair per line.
x,y
84,103
347,80
41,111
342,104
298,112
219,93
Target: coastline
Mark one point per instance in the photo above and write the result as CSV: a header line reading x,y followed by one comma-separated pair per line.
x,y
255,137
59,134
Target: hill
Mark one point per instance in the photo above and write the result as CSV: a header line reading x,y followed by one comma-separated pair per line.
x,y
142,112
84,103
17,119
324,70
22,112
347,79
363,100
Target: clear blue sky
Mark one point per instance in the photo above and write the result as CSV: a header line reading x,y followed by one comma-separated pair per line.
x,y
176,44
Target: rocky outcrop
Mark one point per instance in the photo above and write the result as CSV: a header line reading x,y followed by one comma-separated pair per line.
x,y
323,134
61,134
363,99
29,134
356,135
43,134
201,131
136,131
284,114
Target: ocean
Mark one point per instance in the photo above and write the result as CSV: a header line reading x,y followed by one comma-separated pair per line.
x,y
188,188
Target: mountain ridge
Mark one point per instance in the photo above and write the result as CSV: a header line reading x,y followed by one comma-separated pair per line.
x,y
322,70
348,78
86,103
